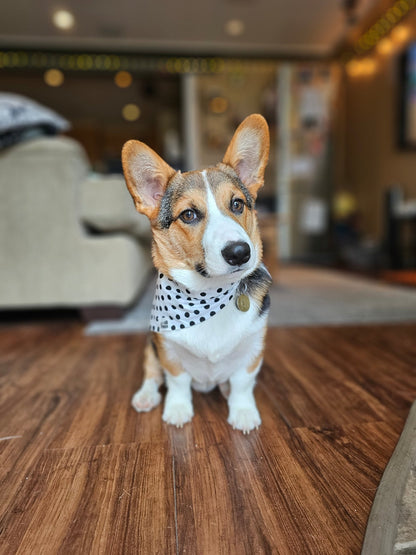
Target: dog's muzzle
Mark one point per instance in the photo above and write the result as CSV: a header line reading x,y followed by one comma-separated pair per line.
x,y
236,253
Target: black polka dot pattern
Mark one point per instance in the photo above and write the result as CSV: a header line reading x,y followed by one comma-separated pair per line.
x,y
175,307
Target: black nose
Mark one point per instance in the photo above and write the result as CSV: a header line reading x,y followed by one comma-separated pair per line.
x,y
236,253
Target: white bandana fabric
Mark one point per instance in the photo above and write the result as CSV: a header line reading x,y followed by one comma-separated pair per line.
x,y
174,307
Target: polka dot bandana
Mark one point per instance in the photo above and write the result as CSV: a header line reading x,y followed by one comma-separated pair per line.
x,y
176,308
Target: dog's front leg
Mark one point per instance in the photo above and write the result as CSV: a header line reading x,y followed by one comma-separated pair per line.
x,y
243,413
148,396
178,403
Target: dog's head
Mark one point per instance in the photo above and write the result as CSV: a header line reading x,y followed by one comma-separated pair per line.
x,y
203,222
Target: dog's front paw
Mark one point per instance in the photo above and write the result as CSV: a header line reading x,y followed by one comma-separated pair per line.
x,y
147,397
244,418
178,413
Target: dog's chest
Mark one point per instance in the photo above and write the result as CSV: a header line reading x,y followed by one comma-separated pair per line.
x,y
212,351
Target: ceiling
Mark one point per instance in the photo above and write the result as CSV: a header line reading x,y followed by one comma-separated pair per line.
x,y
196,27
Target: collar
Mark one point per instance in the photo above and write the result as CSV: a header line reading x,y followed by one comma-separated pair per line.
x,y
175,307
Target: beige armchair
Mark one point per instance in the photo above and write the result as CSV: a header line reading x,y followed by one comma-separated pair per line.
x,y
48,255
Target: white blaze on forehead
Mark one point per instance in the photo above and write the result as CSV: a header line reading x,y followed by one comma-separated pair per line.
x,y
220,230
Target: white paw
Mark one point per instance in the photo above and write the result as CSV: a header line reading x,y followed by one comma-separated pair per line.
x,y
147,397
178,413
244,418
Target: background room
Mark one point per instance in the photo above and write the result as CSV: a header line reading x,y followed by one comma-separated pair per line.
x,y
336,83
337,94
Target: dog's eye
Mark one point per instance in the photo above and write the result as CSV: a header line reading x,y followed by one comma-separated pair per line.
x,y
237,206
189,216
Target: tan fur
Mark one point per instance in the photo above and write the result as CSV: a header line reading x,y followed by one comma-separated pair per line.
x,y
258,293
171,367
181,245
151,364
255,363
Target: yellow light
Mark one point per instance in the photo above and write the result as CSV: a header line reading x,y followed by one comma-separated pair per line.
x,y
178,65
63,19
368,66
353,68
234,27
391,16
53,77
84,62
131,112
344,204
115,61
123,79
385,46
218,105
400,33
363,67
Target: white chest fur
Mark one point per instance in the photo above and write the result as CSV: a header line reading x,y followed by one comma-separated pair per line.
x,y
211,352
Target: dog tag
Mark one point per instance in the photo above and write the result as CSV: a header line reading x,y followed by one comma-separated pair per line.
x,y
243,302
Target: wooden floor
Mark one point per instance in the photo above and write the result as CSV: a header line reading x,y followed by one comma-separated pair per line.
x,y
82,473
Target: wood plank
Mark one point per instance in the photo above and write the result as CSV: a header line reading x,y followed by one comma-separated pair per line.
x,y
93,500
82,472
328,376
278,486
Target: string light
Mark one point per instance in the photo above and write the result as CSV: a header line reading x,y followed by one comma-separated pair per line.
x,y
382,27
131,112
377,37
53,77
361,68
385,46
78,61
123,79
368,66
218,105
353,68
400,34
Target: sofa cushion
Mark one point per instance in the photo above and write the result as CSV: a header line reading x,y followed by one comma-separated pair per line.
x,y
106,206
22,119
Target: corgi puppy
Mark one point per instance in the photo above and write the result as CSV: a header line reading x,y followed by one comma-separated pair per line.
x,y
208,319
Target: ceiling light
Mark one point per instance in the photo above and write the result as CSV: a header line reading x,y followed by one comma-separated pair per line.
x,y
362,67
123,79
385,46
130,112
368,66
234,27
400,33
218,105
63,19
53,77
353,68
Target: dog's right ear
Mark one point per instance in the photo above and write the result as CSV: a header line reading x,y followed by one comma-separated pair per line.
x,y
147,176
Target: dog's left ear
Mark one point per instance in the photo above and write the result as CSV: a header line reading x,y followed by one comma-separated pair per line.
x,y
248,152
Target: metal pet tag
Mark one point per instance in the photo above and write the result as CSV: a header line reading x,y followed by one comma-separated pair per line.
x,y
243,302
